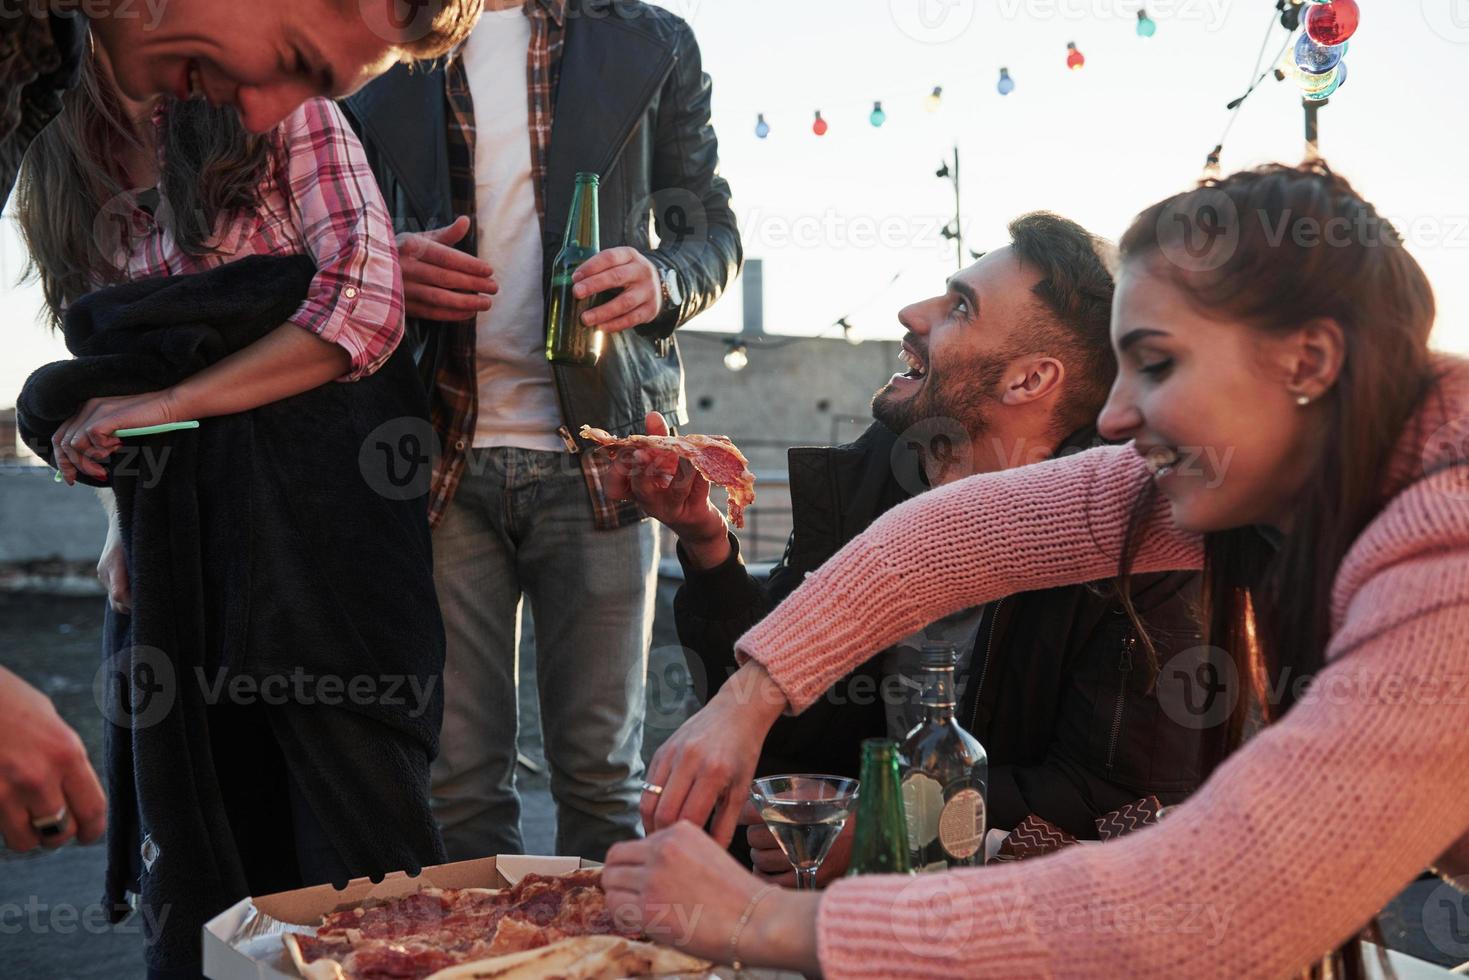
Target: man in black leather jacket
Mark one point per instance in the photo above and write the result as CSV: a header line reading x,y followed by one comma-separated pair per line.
x,y
543,90
1008,366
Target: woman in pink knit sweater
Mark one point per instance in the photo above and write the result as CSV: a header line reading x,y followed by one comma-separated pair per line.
x,y
1291,434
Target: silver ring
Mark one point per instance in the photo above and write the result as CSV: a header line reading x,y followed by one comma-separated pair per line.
x,y
651,788
50,826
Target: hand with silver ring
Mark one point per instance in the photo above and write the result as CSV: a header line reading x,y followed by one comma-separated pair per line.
x,y
650,788
51,826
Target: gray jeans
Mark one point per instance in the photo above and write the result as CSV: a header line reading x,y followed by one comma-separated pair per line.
x,y
520,525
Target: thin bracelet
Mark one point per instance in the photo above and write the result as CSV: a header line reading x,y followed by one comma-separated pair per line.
x,y
734,941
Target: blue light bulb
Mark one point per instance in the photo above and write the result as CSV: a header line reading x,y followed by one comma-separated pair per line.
x,y
1317,59
762,128
1007,84
1146,27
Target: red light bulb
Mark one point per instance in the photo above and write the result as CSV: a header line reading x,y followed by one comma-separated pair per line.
x,y
1332,23
819,126
1074,59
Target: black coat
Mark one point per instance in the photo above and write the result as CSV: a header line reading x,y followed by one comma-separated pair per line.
x,y
1067,718
633,106
282,576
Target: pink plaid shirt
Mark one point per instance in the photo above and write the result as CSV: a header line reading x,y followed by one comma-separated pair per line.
x,y
319,199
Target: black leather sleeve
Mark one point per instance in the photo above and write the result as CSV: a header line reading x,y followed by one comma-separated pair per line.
x,y
714,607
697,231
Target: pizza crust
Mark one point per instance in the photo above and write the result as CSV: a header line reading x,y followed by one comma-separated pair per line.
x,y
581,958
322,969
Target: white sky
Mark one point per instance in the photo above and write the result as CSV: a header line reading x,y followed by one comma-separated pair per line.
x,y
836,218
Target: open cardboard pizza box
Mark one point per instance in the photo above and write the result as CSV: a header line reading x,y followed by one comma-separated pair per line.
x,y
244,941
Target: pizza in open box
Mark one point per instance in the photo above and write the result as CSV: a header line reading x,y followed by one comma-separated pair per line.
x,y
544,926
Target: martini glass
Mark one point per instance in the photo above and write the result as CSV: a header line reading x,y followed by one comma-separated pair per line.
x,y
806,813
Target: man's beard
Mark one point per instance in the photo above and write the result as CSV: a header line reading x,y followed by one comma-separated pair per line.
x,y
958,398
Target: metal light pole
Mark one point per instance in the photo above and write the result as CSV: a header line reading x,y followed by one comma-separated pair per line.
x,y
954,231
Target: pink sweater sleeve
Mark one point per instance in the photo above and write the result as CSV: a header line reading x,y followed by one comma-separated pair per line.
x,y
1289,849
1055,523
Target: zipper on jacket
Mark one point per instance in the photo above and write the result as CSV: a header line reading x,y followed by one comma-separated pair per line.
x,y
984,666
1124,667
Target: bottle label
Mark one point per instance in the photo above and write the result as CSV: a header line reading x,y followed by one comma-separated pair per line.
x,y
923,801
961,824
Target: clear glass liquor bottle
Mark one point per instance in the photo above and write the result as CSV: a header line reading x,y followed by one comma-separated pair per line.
x,y
945,776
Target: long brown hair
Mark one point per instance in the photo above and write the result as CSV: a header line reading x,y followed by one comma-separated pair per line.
x,y
72,195
1268,606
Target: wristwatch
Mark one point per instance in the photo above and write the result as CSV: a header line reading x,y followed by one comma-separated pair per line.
x,y
672,293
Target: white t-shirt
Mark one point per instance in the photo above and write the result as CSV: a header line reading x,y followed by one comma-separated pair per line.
x,y
517,398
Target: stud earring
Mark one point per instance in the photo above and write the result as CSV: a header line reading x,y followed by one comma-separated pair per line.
x,y
1303,400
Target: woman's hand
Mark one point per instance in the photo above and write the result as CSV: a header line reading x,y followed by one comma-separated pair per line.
x,y
43,771
88,436
684,890
672,492
112,569
707,766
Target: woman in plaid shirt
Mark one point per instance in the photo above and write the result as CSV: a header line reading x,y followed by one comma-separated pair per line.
x,y
215,194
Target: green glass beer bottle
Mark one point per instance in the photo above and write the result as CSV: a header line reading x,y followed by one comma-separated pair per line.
x,y
881,842
568,339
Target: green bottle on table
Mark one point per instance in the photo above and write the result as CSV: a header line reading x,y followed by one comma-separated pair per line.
x,y
881,842
568,339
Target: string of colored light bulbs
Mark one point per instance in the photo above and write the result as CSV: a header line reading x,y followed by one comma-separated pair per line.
x,y
1075,61
1319,68
1316,63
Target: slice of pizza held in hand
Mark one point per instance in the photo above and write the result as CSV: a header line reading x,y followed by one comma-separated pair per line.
x,y
715,457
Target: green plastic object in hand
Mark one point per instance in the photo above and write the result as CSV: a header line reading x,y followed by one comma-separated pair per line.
x,y
153,430
145,430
